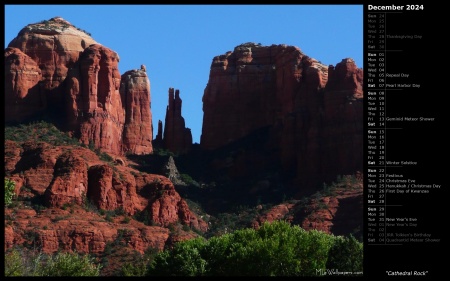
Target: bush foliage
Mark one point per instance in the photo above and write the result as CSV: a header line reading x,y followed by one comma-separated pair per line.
x,y
275,249
17,263
39,131
9,191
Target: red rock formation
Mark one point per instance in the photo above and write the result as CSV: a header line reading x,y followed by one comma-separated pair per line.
x,y
13,152
54,46
340,211
342,127
332,129
111,189
70,175
9,237
313,122
248,89
23,98
88,104
63,175
159,135
135,92
76,229
278,212
340,214
70,181
165,206
94,107
177,138
34,167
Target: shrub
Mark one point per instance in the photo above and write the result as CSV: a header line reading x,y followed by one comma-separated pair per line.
x,y
19,263
104,156
9,191
68,264
126,219
13,264
38,131
346,254
133,269
187,179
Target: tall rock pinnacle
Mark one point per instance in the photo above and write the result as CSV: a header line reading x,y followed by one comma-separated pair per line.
x,y
135,93
177,138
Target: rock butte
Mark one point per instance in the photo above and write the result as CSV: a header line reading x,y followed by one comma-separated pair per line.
x,y
53,69
312,114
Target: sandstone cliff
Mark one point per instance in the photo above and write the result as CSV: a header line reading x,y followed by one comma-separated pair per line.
x,y
56,71
54,46
23,98
311,113
94,108
135,93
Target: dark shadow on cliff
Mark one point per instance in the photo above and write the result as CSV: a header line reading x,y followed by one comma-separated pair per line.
x,y
244,173
349,218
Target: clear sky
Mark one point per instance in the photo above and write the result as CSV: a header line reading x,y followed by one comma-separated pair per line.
x,y
178,42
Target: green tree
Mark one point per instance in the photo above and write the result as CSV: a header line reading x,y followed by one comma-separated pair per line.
x,y
9,191
346,255
68,264
183,260
275,249
138,268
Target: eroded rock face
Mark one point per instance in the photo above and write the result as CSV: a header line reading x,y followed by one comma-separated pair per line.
x,y
23,97
165,206
55,70
135,92
70,181
338,212
111,189
54,46
305,115
248,89
65,179
94,107
33,166
177,138
75,229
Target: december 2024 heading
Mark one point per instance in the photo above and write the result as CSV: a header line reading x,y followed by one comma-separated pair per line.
x,y
395,8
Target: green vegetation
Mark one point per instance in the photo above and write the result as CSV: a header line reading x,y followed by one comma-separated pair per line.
x,y
18,263
275,249
39,131
346,254
104,156
143,216
184,259
163,152
14,264
68,264
187,179
138,266
9,191
133,269
50,24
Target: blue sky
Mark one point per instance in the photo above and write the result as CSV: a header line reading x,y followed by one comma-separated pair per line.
x,y
178,42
